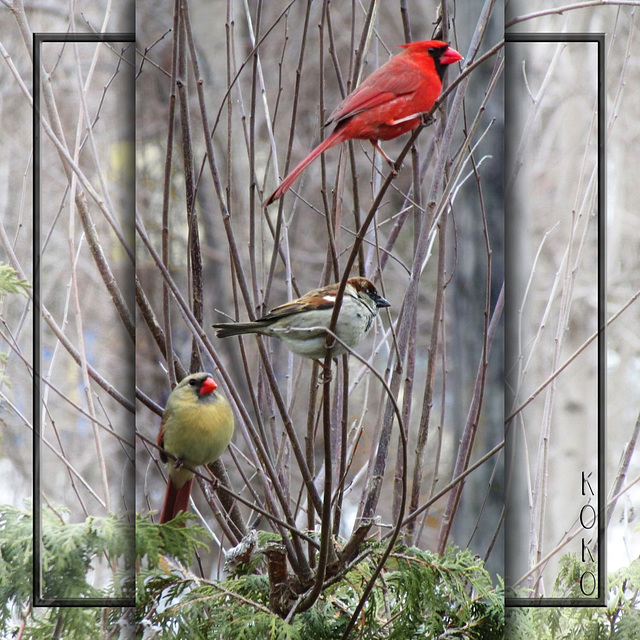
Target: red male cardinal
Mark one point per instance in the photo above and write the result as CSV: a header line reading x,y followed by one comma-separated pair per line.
x,y
387,104
196,427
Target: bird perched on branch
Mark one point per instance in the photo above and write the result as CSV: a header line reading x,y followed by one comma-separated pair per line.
x,y
197,425
302,324
387,104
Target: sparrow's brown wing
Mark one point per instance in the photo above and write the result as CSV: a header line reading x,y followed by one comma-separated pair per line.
x,y
322,298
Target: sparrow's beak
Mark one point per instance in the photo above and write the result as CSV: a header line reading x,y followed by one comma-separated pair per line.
x,y
381,302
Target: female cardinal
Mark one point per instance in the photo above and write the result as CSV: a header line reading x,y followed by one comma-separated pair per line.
x,y
387,104
196,427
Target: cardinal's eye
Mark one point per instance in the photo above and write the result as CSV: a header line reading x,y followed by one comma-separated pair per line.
x,y
193,383
432,50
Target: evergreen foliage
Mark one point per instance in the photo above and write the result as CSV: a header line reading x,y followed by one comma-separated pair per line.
x,y
419,595
10,282
619,620
68,555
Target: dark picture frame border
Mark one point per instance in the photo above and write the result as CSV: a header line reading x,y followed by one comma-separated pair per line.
x,y
600,599
38,600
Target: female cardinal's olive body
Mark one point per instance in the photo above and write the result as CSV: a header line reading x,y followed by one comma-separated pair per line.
x,y
197,425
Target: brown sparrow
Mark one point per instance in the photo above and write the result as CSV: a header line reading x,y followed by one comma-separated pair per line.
x,y
301,324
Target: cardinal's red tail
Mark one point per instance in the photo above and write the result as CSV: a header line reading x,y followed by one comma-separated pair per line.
x,y
334,139
175,500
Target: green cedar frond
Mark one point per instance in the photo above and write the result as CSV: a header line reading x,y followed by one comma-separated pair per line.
x,y
10,282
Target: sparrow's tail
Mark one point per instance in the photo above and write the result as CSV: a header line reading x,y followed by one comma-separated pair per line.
x,y
226,329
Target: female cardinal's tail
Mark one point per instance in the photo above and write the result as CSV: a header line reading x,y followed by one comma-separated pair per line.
x,y
176,499
334,139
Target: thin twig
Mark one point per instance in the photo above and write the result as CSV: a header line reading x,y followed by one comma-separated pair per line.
x,y
570,7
